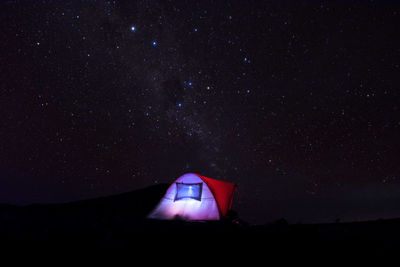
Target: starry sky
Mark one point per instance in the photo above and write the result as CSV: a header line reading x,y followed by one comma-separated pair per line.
x,y
297,102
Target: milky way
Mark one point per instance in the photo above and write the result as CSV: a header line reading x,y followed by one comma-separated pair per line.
x,y
296,103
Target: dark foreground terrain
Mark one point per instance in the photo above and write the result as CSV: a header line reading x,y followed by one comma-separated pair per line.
x,y
119,222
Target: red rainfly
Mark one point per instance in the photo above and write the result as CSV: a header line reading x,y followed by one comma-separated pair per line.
x,y
222,191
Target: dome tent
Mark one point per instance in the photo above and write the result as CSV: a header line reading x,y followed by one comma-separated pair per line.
x,y
194,197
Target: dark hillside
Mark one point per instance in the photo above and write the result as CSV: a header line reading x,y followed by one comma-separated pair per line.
x,y
119,221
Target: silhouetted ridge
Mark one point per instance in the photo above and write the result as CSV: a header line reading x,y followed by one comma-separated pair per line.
x,y
120,221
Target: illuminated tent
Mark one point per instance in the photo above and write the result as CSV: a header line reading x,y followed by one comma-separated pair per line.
x,y
194,197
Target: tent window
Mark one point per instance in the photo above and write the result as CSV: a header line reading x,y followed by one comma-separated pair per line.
x,y
188,191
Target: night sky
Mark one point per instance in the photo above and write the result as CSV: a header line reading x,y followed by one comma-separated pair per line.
x,y
295,102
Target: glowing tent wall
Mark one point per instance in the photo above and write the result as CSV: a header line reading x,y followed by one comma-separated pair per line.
x,y
214,202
